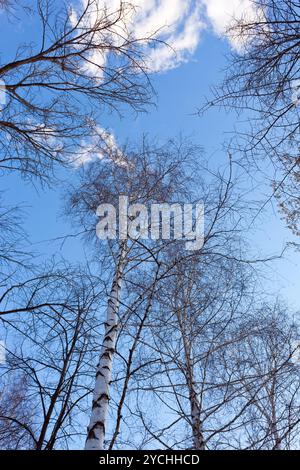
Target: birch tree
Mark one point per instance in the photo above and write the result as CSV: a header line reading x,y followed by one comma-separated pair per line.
x,y
200,305
101,396
147,174
176,340
266,367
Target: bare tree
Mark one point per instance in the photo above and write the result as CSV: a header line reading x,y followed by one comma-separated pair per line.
x,y
198,306
266,367
148,174
145,351
263,78
51,346
13,238
16,413
57,86
221,374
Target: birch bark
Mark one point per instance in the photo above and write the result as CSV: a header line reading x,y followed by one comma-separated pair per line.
x,y
196,422
101,396
198,438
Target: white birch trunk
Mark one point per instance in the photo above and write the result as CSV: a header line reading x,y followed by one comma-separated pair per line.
x,y
196,420
197,428
101,397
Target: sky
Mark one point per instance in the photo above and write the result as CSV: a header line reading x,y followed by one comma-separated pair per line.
x,y
197,31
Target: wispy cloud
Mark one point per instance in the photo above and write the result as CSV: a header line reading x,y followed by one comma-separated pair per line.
x,y
102,145
222,15
178,24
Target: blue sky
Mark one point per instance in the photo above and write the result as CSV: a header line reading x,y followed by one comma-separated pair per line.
x,y
180,90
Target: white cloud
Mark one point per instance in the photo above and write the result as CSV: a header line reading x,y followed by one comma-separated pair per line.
x,y
178,23
182,41
102,145
222,14
174,22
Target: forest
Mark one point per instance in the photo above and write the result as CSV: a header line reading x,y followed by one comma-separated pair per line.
x,y
149,225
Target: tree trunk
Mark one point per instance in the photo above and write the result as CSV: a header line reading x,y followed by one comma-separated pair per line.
x,y
101,397
198,438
